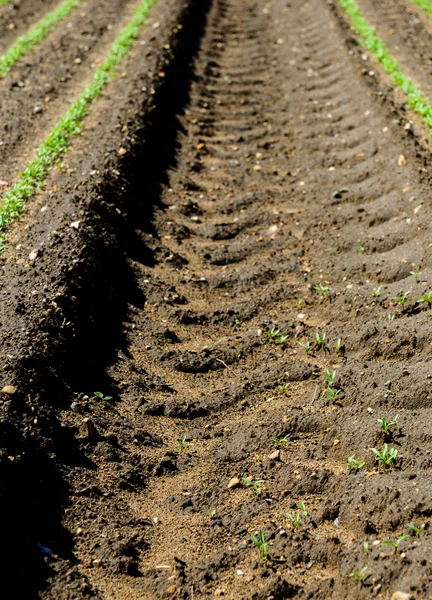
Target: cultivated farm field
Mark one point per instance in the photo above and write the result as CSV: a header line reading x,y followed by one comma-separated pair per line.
x,y
215,300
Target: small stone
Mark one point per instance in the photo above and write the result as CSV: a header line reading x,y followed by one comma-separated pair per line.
x,y
275,455
92,432
79,531
9,389
171,589
37,110
218,592
76,407
121,151
401,596
233,483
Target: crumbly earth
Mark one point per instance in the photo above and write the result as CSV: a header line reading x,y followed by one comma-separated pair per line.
x,y
250,183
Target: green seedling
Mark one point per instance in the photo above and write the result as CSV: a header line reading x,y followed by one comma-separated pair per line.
x,y
416,530
427,298
354,464
362,249
237,321
280,442
387,384
102,397
376,292
182,443
339,346
275,336
387,456
255,485
359,575
303,508
338,193
330,376
386,425
324,290
416,275
212,514
353,300
332,394
283,388
296,518
307,347
390,318
261,545
320,341
395,543
366,548
401,299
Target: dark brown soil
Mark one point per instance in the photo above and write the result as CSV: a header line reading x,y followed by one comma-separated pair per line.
x,y
247,157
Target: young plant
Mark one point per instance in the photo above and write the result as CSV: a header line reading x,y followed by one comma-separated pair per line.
x,y
339,346
416,530
390,318
359,575
307,347
401,299
416,275
332,394
296,518
395,543
324,290
338,193
362,249
354,464
366,548
330,376
387,456
376,292
261,545
283,388
182,443
280,442
275,336
427,298
102,397
387,425
320,341
255,485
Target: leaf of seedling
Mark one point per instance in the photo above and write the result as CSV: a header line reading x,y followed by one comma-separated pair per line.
x,y
281,340
387,456
366,548
182,443
320,341
255,485
275,336
280,442
427,298
303,508
387,383
324,290
261,545
295,519
354,464
377,292
330,376
307,347
359,575
102,397
283,388
395,543
361,249
416,275
417,530
332,394
401,299
386,425
391,318
339,346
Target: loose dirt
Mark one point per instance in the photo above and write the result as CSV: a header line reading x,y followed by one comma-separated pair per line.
x,y
262,156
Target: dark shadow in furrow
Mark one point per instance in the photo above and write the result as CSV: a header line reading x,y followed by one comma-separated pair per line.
x,y
33,492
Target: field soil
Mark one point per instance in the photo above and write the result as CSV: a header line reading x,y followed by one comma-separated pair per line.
x,y
249,183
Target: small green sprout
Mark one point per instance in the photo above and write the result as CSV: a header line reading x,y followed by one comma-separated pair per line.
x,y
339,346
376,292
362,249
395,543
332,394
280,442
261,544
354,464
366,548
283,388
237,322
401,299
320,341
182,443
255,485
102,397
359,575
387,456
324,290
296,518
275,336
416,275
338,193
330,376
416,530
303,508
427,298
212,514
390,318
387,383
386,425
307,347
